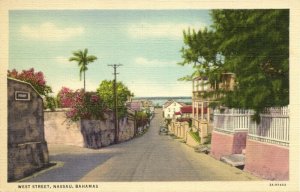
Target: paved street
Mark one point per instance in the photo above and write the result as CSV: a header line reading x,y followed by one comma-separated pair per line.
x,y
150,157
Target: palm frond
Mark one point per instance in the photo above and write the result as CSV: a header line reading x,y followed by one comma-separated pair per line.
x,y
91,58
77,53
85,53
74,59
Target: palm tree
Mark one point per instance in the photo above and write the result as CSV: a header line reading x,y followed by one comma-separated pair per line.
x,y
83,60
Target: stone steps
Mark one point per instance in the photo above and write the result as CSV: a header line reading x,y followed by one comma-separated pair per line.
x,y
235,160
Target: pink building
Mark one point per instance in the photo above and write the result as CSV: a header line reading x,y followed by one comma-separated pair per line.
x,y
264,146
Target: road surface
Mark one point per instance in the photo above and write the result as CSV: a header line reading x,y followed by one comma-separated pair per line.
x,y
151,157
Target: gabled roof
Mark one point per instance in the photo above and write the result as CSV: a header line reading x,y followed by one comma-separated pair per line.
x,y
168,103
135,105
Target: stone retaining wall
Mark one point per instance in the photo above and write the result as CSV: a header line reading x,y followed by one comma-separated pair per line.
x,y
60,130
27,148
85,133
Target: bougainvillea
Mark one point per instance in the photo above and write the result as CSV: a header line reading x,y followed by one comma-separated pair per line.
x,y
83,105
65,97
36,79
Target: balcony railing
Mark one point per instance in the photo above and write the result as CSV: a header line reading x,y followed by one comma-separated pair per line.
x,y
273,126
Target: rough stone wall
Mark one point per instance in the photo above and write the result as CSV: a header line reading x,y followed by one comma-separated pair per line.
x,y
97,133
27,148
87,133
126,129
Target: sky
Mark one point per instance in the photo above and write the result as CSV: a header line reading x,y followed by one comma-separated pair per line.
x,y
146,42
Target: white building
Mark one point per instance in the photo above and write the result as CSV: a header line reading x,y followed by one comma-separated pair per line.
x,y
170,107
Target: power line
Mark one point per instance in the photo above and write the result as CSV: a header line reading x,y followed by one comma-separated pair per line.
x,y
115,66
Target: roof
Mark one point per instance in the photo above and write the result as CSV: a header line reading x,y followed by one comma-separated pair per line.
x,y
186,109
146,103
135,105
168,103
189,109
178,113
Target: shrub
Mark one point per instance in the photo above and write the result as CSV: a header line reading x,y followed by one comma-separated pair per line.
x,y
36,79
195,135
208,139
141,118
65,97
86,105
50,103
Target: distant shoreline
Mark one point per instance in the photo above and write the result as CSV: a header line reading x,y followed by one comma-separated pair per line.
x,y
159,101
157,97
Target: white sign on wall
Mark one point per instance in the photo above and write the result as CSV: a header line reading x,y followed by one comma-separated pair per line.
x,y
22,96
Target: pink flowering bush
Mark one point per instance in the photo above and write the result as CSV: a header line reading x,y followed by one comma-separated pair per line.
x,y
83,105
65,97
36,79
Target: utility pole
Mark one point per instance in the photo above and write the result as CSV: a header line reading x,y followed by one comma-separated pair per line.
x,y
115,66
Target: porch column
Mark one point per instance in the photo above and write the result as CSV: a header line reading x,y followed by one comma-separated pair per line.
x,y
208,112
193,110
197,110
202,107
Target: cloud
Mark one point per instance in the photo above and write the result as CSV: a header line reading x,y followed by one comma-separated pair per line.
x,y
153,63
50,32
161,30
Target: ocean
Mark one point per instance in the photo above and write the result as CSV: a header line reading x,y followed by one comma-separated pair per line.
x,y
159,101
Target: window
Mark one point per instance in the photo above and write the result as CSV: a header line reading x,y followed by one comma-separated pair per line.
x,y
169,110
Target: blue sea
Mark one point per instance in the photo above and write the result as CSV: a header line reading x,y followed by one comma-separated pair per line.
x,y
161,100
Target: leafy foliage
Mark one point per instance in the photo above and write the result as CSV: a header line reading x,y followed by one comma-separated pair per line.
x,y
65,97
86,105
36,79
105,90
50,103
252,44
142,118
195,135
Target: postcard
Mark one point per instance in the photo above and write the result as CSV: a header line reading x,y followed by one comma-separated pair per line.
x,y
149,96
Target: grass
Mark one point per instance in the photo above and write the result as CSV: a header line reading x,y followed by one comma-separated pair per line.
x,y
195,135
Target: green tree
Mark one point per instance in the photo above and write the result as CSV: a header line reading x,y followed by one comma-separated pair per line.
x,y
201,50
142,118
83,59
105,91
252,44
